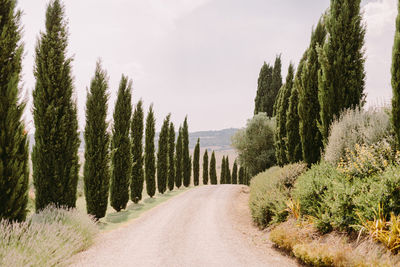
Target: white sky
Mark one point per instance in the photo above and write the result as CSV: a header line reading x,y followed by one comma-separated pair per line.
x,y
198,57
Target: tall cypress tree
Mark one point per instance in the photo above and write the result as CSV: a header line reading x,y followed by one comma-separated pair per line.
x,y
263,97
341,79
162,156
55,159
14,173
276,83
241,175
205,167
96,174
196,163
283,106
308,109
178,160
171,157
137,177
396,80
186,162
228,178
235,173
149,150
293,142
222,179
213,169
121,146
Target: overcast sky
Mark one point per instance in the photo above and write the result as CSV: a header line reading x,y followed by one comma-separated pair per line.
x,y
199,58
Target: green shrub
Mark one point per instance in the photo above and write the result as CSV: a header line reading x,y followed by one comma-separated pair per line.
x,y
270,191
46,239
357,127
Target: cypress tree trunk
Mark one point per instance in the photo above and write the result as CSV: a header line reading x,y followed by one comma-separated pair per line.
x,y
137,177
196,163
234,173
171,157
205,168
222,179
14,172
213,169
149,158
396,80
185,154
282,108
341,79
162,157
178,160
241,175
121,147
311,139
96,173
55,159
228,178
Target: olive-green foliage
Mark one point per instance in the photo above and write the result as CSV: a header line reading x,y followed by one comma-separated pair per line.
x,y
178,160
162,157
293,143
196,163
341,79
96,174
308,109
222,178
241,175
205,167
235,173
171,157
228,176
14,173
357,127
121,146
281,112
269,192
149,150
255,144
213,170
55,159
276,84
137,177
396,80
186,161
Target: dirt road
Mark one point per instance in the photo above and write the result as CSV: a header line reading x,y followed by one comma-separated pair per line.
x,y
204,226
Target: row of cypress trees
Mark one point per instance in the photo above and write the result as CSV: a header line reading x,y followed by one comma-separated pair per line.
x,y
330,78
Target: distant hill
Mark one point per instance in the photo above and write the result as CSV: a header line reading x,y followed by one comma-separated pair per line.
x,y
215,140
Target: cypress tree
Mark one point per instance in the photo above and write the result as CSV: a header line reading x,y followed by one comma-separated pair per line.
x,y
196,163
222,179
341,79
162,156
241,175
213,170
171,157
96,174
121,146
149,150
228,178
263,97
137,177
396,80
14,172
205,167
308,109
293,142
186,162
282,108
234,173
276,83
178,160
55,159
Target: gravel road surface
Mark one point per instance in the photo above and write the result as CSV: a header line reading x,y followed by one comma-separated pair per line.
x,y
196,228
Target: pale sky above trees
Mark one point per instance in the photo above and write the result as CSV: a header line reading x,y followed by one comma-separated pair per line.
x,y
199,58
